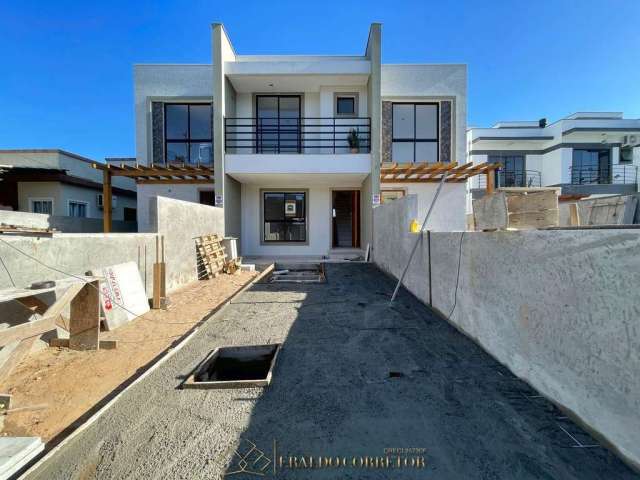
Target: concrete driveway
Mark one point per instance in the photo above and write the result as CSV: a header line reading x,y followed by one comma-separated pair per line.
x,y
356,381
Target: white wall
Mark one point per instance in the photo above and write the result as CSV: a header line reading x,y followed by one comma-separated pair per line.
x,y
449,214
165,82
318,220
421,82
146,193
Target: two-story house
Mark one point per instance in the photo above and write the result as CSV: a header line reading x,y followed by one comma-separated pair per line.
x,y
297,142
587,153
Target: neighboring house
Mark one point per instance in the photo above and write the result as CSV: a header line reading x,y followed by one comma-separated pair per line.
x,y
587,153
59,183
297,142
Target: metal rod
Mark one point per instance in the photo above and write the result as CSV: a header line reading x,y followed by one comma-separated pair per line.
x,y
419,237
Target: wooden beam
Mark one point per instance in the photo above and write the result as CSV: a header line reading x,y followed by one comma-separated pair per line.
x,y
177,181
106,200
491,181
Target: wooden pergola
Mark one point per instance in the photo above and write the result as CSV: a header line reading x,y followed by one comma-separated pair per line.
x,y
149,174
432,172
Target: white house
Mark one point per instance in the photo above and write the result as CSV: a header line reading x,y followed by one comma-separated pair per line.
x,y
297,142
61,184
587,153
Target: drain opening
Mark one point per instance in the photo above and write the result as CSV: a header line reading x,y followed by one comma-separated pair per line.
x,y
235,367
298,273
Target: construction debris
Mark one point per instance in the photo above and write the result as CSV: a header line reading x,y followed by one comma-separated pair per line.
x,y
614,210
122,294
211,256
7,229
517,209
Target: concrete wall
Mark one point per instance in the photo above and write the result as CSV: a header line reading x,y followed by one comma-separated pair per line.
x,y
180,222
558,308
63,223
147,193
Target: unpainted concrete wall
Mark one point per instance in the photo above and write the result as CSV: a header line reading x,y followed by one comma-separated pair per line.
x,y
63,223
181,222
558,308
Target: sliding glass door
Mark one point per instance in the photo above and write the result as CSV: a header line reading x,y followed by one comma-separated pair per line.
x,y
278,124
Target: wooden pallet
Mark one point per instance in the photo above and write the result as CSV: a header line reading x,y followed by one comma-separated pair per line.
x,y
212,256
8,229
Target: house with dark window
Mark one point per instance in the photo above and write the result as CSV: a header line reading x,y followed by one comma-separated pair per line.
x,y
303,147
585,154
62,184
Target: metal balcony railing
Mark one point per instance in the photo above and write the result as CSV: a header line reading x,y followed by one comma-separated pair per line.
x,y
604,175
513,178
296,135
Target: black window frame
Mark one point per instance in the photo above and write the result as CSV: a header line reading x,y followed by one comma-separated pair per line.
x,y
415,140
188,141
354,103
278,130
284,220
509,177
591,174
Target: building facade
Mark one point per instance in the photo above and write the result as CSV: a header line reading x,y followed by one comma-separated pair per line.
x,y
297,142
60,183
585,154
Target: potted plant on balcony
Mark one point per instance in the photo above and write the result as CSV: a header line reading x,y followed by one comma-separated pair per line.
x,y
354,141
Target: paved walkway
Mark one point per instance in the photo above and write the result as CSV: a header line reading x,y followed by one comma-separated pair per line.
x,y
354,378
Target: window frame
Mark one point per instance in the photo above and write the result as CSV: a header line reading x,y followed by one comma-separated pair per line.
x,y
41,199
415,140
284,191
188,141
513,172
80,202
604,174
338,95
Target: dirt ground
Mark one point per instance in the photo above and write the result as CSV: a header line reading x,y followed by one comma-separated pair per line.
x,y
66,383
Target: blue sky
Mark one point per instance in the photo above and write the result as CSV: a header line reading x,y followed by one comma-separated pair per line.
x,y
66,78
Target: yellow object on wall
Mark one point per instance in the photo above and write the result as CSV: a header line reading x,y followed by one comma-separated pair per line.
x,y
414,227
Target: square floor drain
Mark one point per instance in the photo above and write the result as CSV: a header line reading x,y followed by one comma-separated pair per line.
x,y
235,367
298,273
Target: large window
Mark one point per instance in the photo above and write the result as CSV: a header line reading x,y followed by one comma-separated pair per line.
x,y
591,166
188,133
41,205
285,217
78,209
415,132
512,173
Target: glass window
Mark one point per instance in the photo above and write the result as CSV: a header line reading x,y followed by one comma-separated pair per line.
x,y
177,122
284,217
512,173
177,152
590,166
346,106
42,206
415,135
77,209
188,133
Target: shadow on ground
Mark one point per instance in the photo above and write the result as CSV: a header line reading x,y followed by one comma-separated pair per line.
x,y
354,378
358,381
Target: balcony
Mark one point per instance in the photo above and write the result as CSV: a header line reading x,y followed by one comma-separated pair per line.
x,y
298,135
293,150
513,178
602,180
604,175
